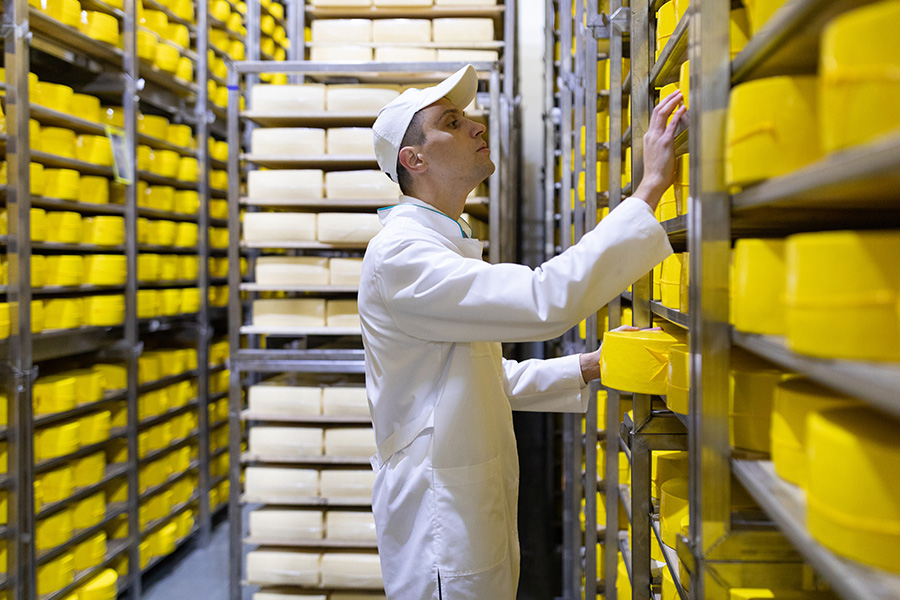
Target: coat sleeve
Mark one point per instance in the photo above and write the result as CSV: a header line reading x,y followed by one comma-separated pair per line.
x,y
435,294
552,385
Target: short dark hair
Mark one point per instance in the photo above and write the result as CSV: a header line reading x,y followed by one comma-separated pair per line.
x,y
414,136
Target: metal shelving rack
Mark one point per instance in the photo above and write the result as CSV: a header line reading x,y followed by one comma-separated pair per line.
x,y
854,189
117,75
251,360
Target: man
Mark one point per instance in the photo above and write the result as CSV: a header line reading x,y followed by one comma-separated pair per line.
x,y
433,315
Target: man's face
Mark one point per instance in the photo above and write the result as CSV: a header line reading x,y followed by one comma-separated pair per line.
x,y
454,147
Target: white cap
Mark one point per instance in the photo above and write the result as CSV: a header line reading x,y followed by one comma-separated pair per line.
x,y
394,119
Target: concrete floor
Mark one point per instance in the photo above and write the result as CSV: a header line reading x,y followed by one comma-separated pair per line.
x,y
193,572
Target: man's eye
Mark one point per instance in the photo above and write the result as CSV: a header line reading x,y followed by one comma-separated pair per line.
x,y
454,123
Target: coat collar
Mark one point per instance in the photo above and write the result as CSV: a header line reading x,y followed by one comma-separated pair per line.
x,y
427,215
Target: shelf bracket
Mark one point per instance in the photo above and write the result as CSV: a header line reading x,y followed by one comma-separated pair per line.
x,y
599,26
620,20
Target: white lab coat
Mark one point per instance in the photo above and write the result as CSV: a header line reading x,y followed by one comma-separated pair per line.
x,y
433,315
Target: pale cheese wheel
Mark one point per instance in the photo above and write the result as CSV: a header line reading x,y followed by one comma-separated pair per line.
x,y
350,140
350,441
285,596
295,141
404,54
351,570
354,185
347,228
402,2
340,53
292,270
465,2
341,30
289,312
391,31
341,2
274,482
449,55
276,398
293,97
358,98
349,526
286,441
355,596
341,313
338,401
286,524
347,484
280,227
269,567
345,271
286,184
449,30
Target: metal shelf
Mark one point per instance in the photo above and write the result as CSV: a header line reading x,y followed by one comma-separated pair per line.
x,y
113,511
62,162
378,12
789,41
161,144
876,383
323,544
174,478
58,461
786,505
312,289
172,447
69,290
303,245
83,207
667,67
80,410
171,283
249,415
301,331
89,248
671,558
307,501
300,361
114,548
670,314
856,187
153,213
161,522
66,42
491,45
57,343
309,118
112,471
169,181
173,18
248,457
169,414
167,81
168,249
321,161
156,384
50,117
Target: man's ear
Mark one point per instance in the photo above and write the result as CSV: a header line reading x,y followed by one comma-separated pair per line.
x,y
411,160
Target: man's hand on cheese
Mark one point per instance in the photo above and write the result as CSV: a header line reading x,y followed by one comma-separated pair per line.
x,y
659,150
590,361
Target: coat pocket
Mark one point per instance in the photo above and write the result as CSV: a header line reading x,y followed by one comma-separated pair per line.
x,y
471,518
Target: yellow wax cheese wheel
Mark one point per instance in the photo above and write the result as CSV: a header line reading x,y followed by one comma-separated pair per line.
x,y
858,64
838,284
772,128
758,281
672,509
678,379
795,400
636,361
752,385
853,495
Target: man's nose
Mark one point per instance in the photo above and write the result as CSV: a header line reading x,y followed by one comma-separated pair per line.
x,y
477,128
